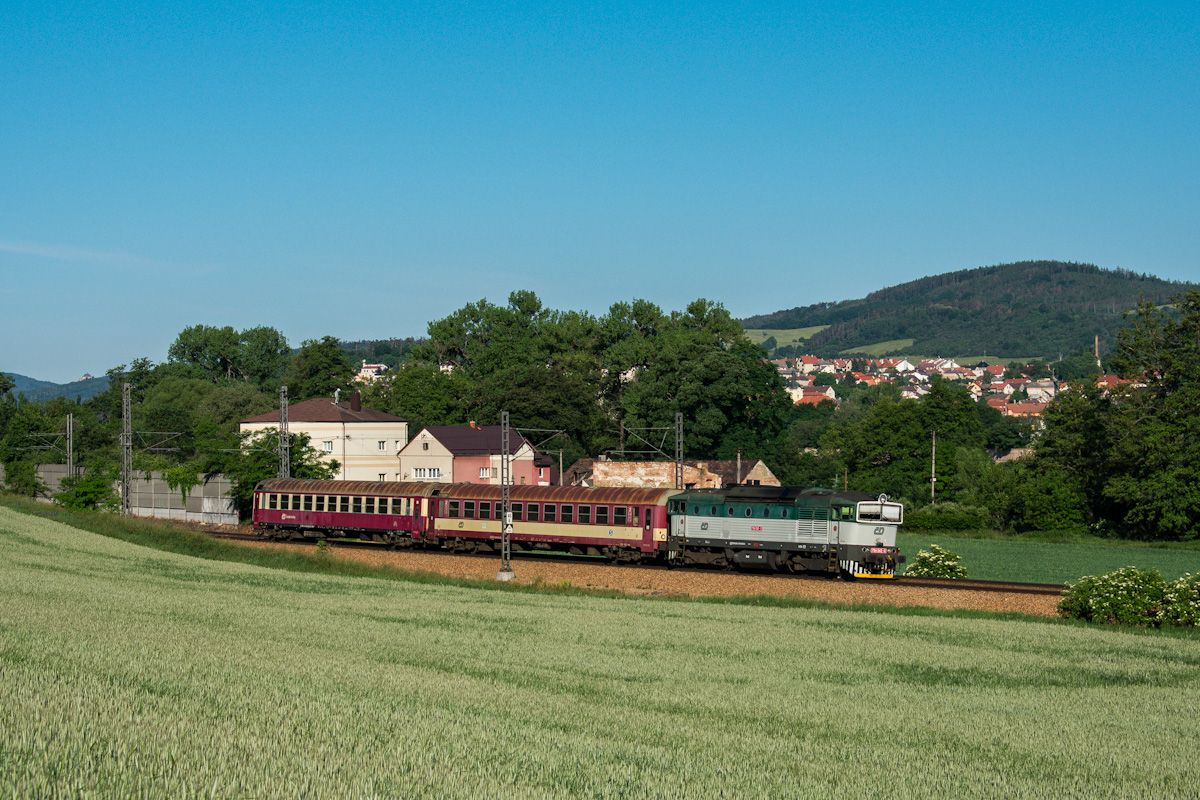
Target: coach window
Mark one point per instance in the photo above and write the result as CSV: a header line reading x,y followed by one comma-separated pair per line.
x,y
319,503
344,505
601,515
620,515
485,509
585,515
272,501
355,505
368,505
634,513
568,513
549,513
469,509
292,502
518,512
534,512
453,512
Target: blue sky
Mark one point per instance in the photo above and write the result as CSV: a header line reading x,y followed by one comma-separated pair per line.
x,y
360,171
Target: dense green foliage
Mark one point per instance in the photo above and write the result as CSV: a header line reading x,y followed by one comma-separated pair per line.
x,y
131,672
1045,308
592,377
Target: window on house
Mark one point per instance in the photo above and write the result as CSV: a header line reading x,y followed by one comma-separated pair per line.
x,y
601,515
484,472
382,477
383,444
355,505
620,515
469,509
327,445
534,512
424,445
568,513
585,515
549,513
495,472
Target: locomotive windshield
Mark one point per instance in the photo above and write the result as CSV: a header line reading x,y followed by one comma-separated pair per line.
x,y
881,512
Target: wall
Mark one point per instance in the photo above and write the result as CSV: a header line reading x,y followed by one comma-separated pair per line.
x,y
150,496
354,445
650,475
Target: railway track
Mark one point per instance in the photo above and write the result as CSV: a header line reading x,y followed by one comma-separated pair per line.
x,y
963,585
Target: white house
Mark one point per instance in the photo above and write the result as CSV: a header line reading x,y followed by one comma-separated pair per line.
x,y
366,443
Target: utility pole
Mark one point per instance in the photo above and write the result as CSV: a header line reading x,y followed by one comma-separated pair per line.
x,y
679,451
506,571
126,449
933,471
285,442
70,445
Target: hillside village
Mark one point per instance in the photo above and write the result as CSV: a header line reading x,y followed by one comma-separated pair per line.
x,y
1013,396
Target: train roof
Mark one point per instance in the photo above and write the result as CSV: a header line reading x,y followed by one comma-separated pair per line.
x,y
374,488
778,494
560,494
472,491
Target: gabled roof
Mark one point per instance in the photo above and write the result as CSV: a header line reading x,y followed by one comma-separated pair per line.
x,y
322,409
465,440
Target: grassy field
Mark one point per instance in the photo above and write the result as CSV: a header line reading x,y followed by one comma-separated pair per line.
x,y
880,348
784,336
1026,559
126,671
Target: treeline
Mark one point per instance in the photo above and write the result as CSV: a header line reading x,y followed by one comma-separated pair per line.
x,y
1034,308
1120,463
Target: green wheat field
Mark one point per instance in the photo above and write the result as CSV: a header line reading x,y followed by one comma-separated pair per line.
x,y
127,671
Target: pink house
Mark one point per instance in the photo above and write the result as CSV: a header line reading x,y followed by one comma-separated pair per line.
x,y
472,454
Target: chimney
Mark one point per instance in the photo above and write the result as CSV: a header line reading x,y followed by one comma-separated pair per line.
x,y
356,401
472,423
337,396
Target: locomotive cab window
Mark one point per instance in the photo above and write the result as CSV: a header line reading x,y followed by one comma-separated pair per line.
x,y
568,513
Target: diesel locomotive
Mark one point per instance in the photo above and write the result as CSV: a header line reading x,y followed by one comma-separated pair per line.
x,y
785,528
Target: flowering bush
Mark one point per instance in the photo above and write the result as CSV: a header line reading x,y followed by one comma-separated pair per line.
x,y
936,562
1182,601
1127,596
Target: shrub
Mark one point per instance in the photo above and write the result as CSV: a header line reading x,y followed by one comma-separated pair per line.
x,y
1127,596
1181,604
936,562
947,517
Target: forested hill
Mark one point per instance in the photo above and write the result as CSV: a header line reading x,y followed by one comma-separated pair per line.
x,y
1032,308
